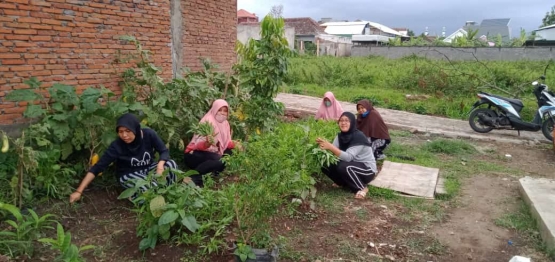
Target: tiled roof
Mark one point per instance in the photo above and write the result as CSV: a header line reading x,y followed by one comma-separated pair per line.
x,y
245,13
304,26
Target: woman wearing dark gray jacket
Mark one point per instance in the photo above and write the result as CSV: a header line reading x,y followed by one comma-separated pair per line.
x,y
357,165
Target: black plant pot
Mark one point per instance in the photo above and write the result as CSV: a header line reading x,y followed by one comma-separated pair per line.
x,y
262,255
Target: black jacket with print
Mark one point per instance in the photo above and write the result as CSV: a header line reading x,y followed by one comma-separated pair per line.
x,y
128,162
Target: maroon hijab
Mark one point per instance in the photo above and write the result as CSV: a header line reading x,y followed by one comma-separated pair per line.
x,y
372,125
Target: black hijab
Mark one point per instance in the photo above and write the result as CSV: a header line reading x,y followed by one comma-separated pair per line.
x,y
353,137
131,122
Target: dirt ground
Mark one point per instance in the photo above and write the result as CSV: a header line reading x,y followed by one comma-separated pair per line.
x,y
349,229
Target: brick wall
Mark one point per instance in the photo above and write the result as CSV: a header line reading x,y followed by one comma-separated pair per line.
x,y
76,41
210,31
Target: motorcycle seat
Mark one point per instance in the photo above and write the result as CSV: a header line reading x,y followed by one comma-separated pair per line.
x,y
510,100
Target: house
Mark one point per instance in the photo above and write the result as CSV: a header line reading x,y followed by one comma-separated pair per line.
x,y
244,16
402,31
488,30
252,30
459,33
545,36
349,29
306,29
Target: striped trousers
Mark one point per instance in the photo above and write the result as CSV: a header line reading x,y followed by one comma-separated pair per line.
x,y
352,175
126,180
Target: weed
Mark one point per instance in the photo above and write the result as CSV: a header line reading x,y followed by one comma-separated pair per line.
x,y
450,147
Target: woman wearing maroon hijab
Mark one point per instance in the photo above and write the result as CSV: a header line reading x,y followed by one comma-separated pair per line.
x,y
370,122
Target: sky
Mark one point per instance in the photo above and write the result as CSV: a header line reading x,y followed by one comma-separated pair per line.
x,y
415,15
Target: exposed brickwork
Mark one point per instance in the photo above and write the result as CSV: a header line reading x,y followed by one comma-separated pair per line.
x,y
210,32
75,42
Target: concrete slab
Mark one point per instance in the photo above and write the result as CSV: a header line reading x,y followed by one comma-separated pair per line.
x,y
539,194
408,179
440,187
451,128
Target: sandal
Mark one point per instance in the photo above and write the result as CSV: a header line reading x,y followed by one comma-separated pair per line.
x,y
335,185
361,194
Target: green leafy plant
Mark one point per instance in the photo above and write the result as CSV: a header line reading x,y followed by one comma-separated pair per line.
x,y
244,252
23,231
262,68
68,252
177,208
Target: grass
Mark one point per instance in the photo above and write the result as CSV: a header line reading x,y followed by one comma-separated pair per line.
x,y
450,89
525,224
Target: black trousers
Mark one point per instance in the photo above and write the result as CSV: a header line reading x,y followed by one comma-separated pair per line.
x,y
352,175
204,163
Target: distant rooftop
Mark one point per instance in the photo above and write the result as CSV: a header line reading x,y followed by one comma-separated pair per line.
x,y
495,22
245,13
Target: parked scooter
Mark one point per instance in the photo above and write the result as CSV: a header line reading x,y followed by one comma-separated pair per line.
x,y
503,113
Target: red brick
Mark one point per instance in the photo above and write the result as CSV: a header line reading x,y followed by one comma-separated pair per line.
x,y
14,110
70,45
28,7
60,72
51,21
28,20
25,44
18,37
25,32
37,62
40,3
44,27
41,15
7,119
9,56
39,50
7,6
52,10
41,38
10,12
29,56
21,68
17,25
62,28
13,61
58,67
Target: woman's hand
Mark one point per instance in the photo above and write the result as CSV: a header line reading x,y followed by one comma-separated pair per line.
x,y
324,144
160,167
75,196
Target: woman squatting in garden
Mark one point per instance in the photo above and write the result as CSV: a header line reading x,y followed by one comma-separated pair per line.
x,y
330,108
370,122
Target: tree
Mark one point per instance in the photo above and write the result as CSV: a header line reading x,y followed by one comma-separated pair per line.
x,y
410,33
277,11
549,18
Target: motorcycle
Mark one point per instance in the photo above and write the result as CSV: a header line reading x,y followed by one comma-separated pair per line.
x,y
503,113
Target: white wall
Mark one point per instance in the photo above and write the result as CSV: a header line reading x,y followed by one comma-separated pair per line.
x,y
547,34
246,32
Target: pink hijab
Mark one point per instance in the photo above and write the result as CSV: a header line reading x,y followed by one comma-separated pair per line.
x,y
222,130
329,113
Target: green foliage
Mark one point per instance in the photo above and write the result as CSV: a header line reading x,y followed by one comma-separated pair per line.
x,y
244,252
182,210
68,252
549,18
450,87
262,67
68,126
18,239
69,122
285,177
173,108
450,147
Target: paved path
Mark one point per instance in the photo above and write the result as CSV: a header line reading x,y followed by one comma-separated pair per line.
x,y
452,128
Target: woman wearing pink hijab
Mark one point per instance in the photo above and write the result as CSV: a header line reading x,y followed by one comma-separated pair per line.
x,y
330,109
204,156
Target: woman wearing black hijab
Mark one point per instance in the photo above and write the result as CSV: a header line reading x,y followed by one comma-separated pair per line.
x,y
356,166
133,152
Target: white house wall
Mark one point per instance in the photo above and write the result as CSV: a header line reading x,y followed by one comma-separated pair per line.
x,y
546,34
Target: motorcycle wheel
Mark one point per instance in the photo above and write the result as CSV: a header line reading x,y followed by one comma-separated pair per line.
x,y
547,129
473,120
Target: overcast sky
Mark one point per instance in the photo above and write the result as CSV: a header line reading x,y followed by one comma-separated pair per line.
x,y
415,15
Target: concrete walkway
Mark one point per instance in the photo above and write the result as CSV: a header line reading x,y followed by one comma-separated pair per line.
x,y
395,119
